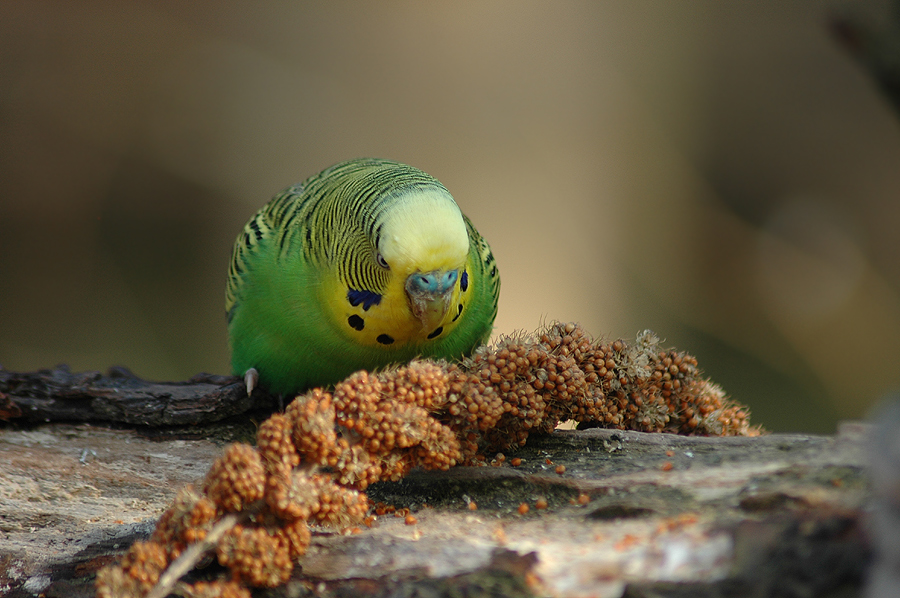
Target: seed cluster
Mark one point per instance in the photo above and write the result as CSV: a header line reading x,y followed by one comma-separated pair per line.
x,y
383,439
216,589
307,468
530,383
136,574
311,463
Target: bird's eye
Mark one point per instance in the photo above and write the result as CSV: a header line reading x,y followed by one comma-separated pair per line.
x,y
381,261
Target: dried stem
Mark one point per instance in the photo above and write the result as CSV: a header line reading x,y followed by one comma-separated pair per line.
x,y
190,557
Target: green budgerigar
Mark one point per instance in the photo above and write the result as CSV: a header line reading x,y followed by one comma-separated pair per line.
x,y
366,264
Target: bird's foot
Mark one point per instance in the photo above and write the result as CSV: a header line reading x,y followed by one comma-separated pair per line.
x,y
251,380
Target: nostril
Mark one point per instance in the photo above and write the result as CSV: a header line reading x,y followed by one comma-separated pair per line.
x,y
432,282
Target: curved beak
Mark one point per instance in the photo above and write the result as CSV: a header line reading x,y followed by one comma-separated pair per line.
x,y
429,295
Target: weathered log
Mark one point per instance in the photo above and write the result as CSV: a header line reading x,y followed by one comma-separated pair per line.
x,y
645,514
121,397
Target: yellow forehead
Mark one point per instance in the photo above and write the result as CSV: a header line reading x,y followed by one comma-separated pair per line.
x,y
423,231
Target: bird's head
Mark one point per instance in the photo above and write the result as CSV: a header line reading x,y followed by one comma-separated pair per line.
x,y
422,240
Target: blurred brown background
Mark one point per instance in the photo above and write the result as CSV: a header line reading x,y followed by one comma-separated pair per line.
x,y
723,173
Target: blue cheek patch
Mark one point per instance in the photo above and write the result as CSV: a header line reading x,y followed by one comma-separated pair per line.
x,y
464,281
367,298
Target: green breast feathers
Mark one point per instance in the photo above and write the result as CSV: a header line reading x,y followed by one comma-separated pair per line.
x,y
366,264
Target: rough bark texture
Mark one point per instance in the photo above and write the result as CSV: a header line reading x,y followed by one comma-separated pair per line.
x,y
659,515
121,397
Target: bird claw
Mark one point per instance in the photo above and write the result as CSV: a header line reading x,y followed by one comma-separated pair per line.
x,y
251,379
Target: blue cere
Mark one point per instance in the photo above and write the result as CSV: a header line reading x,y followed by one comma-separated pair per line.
x,y
432,283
